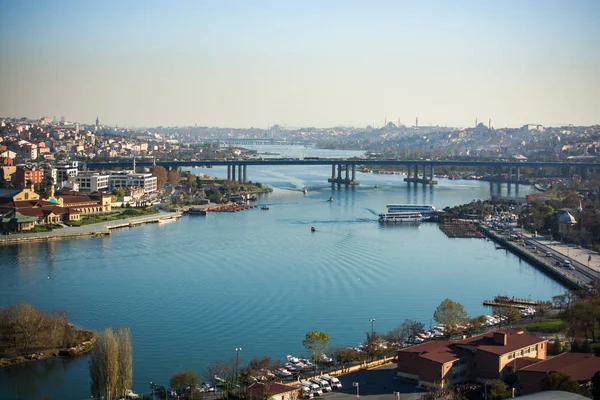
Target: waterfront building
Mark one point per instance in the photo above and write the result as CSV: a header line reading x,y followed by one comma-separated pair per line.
x,y
488,356
125,179
91,181
580,367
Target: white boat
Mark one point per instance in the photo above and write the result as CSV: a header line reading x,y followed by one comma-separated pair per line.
x,y
292,359
305,190
282,372
420,208
166,220
402,217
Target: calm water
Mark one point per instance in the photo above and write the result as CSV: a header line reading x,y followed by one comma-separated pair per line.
x,y
193,290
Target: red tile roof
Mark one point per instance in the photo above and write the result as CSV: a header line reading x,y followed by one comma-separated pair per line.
x,y
440,351
579,366
522,362
516,340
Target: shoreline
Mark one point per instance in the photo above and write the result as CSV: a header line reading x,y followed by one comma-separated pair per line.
x,y
87,231
71,352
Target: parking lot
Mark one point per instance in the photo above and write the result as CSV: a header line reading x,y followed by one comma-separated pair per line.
x,y
377,383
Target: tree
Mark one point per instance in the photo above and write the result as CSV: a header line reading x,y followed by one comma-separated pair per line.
x,y
405,331
174,177
184,379
560,381
450,314
191,181
125,360
316,342
497,390
507,314
104,365
161,175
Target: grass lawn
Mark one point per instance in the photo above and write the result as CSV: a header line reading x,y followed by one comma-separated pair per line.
x,y
546,325
117,214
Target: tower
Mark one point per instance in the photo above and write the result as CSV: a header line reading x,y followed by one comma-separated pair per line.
x,y
490,124
134,165
417,122
97,122
475,122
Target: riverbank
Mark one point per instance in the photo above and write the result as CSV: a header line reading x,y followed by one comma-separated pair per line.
x,y
572,278
87,231
84,347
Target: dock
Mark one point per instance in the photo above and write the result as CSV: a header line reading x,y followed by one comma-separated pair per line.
x,y
461,229
505,301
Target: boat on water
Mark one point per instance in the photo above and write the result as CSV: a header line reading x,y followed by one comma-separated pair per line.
x,y
305,190
264,208
330,199
424,209
312,229
166,220
402,217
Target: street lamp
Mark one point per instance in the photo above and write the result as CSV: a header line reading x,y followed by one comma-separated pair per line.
x,y
237,359
371,321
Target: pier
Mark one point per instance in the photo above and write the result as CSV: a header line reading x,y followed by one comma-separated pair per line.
x,y
505,301
86,231
347,180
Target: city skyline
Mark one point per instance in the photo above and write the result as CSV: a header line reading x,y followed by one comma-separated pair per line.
x,y
241,65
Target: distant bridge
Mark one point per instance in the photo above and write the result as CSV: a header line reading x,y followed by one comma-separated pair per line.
x,y
349,164
260,142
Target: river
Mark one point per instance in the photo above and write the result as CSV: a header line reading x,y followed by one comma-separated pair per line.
x,y
193,290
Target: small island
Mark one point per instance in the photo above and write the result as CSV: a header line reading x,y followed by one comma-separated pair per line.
x,y
29,334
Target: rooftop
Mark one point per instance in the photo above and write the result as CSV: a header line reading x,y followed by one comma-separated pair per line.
x,y
579,366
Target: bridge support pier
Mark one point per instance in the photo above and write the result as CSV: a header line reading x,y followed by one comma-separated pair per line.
x,y
244,179
424,179
239,173
409,168
518,174
229,172
346,180
233,173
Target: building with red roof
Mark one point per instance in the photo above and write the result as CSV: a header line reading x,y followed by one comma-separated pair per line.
x,y
272,391
580,367
487,356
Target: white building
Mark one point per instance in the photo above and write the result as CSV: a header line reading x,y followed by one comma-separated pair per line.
x,y
128,179
91,182
61,173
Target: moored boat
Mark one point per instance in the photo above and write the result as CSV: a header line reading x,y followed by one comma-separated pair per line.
x,y
402,217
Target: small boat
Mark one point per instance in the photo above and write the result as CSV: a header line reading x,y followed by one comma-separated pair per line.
x,y
305,190
376,186
264,208
166,220
312,229
330,199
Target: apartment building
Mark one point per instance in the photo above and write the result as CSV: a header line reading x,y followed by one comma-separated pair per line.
x,y
127,179
91,181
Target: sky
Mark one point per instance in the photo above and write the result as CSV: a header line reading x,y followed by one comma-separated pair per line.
x,y
254,63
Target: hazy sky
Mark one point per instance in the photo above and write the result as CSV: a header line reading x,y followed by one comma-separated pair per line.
x,y
301,63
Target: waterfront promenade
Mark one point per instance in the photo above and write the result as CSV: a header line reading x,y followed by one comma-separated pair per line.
x,y
72,232
550,257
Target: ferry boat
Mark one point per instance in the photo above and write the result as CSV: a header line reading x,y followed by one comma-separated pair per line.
x,y
402,217
414,208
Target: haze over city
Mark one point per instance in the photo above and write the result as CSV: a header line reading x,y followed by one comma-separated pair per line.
x,y
301,63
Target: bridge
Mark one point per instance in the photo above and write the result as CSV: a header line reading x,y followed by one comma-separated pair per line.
x,y
347,166
260,142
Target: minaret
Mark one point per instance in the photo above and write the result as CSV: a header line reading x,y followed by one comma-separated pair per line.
x,y
417,122
475,122
134,165
154,161
490,124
